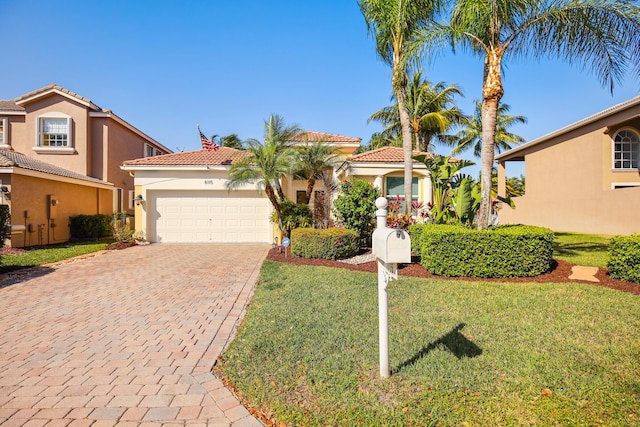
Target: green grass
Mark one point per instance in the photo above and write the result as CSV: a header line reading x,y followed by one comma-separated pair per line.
x,y
461,352
582,249
37,256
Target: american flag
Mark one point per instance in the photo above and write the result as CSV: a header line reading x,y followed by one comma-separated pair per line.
x,y
207,144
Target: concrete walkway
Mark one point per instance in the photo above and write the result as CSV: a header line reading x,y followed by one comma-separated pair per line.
x,y
125,338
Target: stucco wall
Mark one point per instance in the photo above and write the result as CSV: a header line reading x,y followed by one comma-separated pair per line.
x,y
75,161
30,194
570,178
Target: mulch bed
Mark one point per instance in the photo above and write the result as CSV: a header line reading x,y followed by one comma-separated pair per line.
x,y
560,272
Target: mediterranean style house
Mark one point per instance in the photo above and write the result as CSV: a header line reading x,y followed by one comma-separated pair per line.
x,y
183,198
60,155
582,178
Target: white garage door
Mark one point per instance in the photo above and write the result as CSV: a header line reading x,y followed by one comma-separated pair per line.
x,y
209,216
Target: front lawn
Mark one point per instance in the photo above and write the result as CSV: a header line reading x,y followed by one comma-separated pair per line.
x,y
582,249
462,353
33,257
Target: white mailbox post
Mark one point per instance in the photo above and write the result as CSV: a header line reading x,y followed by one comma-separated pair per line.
x,y
391,246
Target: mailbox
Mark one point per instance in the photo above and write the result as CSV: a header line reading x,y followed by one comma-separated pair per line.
x,y
391,245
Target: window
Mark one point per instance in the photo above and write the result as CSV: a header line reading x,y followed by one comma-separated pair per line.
x,y
626,146
150,151
55,132
301,197
395,187
131,199
3,132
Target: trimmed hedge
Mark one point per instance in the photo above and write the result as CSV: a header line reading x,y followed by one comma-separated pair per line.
x,y
90,226
415,233
624,258
330,243
505,251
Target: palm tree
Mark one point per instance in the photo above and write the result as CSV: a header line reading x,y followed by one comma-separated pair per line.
x,y
471,133
394,24
602,34
268,162
432,111
266,165
280,134
232,141
314,160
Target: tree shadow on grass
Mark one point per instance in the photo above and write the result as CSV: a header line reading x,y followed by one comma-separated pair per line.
x,y
454,341
572,249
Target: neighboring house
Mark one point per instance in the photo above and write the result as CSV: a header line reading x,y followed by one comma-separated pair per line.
x,y
581,178
183,196
60,155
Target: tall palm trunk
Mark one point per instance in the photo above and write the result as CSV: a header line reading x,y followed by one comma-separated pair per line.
x,y
492,92
311,182
400,87
274,202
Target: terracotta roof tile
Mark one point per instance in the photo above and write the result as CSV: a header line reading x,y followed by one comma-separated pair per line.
x,y
384,155
15,159
323,137
6,105
222,156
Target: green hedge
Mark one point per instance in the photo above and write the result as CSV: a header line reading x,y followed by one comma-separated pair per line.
x,y
505,251
90,226
624,258
330,243
415,233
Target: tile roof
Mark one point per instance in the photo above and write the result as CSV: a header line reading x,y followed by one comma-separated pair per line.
x,y
384,155
15,159
220,157
55,87
323,137
10,105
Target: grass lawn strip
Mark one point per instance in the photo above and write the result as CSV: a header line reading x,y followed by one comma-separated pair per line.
x,y
34,257
482,353
582,249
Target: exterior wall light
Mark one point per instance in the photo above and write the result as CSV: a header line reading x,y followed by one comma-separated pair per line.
x,y
138,199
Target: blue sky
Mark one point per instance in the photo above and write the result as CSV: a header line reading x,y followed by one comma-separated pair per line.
x,y
167,66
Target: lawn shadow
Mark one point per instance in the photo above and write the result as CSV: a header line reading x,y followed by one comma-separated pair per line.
x,y
572,249
16,276
454,341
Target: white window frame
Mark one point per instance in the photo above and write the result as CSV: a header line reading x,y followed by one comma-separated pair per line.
x,y
637,151
4,143
131,201
148,150
118,200
66,149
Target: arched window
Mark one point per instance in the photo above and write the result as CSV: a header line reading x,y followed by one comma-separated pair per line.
x,y
626,146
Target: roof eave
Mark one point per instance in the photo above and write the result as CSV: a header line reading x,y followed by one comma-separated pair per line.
x,y
514,153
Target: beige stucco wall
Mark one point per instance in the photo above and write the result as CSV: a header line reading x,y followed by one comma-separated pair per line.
x,y
77,160
569,182
29,193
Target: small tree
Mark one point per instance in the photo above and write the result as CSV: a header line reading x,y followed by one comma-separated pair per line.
x,y
355,208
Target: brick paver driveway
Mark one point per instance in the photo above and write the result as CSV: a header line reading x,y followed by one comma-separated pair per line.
x,y
125,338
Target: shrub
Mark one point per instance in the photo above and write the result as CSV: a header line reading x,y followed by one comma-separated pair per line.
x,y
329,243
355,208
506,251
624,258
294,215
415,233
90,226
122,232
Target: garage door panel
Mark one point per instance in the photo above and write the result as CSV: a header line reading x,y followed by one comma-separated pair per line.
x,y
209,216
